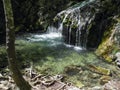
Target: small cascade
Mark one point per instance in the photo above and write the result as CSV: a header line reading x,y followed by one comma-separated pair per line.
x,y
61,24
51,29
52,37
74,22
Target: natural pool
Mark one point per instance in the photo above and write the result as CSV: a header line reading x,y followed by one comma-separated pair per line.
x,y
50,56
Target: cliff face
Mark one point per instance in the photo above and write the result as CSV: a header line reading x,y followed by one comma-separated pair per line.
x,y
110,45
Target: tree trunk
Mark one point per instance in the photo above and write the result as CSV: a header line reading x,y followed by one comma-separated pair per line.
x,y
10,46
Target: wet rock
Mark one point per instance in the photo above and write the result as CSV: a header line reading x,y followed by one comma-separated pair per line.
x,y
112,85
110,42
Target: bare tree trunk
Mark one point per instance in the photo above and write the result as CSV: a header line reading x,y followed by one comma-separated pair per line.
x,y
10,46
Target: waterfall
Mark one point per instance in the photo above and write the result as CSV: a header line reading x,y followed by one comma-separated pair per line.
x,y
73,23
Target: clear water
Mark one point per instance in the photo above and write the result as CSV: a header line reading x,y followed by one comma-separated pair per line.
x,y
51,56
53,38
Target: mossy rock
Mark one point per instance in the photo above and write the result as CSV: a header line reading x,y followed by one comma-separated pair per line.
x,y
108,45
105,50
99,70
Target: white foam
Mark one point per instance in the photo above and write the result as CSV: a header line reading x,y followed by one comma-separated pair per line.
x,y
52,35
77,48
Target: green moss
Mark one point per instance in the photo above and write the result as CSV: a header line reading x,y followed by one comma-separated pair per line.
x,y
74,27
108,45
67,21
99,70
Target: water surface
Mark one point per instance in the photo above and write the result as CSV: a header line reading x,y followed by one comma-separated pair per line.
x,y
51,56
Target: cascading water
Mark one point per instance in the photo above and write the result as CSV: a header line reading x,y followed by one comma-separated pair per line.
x,y
74,22
51,37
72,27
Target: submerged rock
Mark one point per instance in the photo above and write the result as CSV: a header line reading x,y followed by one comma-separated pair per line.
x,y
99,70
73,70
